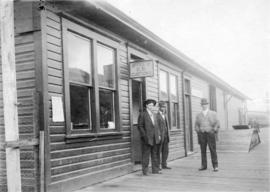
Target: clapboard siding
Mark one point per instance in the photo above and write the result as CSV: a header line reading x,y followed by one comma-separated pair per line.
x,y
202,86
152,85
3,179
234,106
79,159
26,83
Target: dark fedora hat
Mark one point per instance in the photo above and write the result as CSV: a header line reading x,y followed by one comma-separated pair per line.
x,y
148,101
162,104
204,101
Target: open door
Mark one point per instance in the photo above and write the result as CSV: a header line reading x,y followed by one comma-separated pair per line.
x,y
137,107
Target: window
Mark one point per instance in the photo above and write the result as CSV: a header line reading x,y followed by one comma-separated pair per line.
x,y
168,92
187,87
79,67
106,76
106,66
173,87
174,100
90,68
163,85
175,115
79,58
213,98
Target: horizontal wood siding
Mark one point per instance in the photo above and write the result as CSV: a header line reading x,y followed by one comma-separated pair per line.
x,y
203,87
86,159
3,178
25,75
176,145
151,84
234,106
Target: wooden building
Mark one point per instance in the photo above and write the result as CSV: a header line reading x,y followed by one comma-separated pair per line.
x,y
77,94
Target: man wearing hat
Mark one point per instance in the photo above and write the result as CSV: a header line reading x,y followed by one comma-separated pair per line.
x,y
165,135
150,137
206,126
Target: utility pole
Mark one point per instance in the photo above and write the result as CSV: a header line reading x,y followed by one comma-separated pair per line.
x,y
7,43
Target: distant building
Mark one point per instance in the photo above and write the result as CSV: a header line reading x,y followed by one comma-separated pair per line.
x,y
258,118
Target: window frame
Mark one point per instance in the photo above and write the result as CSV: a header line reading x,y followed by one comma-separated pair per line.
x,y
94,109
170,102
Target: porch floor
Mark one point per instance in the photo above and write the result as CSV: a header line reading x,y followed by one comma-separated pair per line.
x,y
239,170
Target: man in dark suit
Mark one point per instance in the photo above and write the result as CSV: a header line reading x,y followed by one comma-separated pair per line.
x,y
206,126
150,137
163,125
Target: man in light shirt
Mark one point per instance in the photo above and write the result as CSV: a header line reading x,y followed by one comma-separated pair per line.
x,y
150,137
206,126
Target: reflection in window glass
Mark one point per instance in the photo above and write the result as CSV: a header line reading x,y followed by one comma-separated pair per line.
x,y
79,106
174,114
106,109
79,58
163,83
106,66
173,88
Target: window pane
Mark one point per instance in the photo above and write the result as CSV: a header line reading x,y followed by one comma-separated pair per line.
x,y
187,86
174,114
163,84
173,87
79,107
106,103
106,66
79,58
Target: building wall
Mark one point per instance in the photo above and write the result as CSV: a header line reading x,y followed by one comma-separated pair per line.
x,y
221,113
25,68
176,144
199,89
90,162
234,106
26,96
85,162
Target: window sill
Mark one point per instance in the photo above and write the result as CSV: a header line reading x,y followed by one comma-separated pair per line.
x,y
175,130
79,138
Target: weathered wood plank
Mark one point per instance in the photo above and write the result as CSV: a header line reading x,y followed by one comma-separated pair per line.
x,y
88,150
7,43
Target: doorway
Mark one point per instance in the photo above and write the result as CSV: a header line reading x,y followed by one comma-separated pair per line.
x,y
188,124
138,95
188,117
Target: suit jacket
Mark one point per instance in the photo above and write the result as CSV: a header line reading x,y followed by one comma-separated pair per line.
x,y
147,129
163,127
212,119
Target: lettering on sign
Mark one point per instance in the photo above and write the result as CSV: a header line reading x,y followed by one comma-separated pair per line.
x,y
143,68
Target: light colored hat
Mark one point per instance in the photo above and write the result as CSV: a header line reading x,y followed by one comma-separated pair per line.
x,y
204,101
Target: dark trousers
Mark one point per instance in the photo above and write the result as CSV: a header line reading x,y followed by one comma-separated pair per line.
x,y
210,140
148,150
163,152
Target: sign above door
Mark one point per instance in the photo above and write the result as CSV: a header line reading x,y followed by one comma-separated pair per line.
x,y
141,68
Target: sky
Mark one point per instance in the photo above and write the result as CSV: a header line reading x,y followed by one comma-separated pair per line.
x,y
230,38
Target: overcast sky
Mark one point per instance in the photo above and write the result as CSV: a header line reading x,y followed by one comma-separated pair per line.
x,y
230,38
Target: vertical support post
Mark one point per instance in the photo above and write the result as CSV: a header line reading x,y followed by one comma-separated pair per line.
x,y
10,94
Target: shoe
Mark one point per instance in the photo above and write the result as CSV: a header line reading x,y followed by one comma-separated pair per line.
x,y
157,172
145,174
202,168
166,167
215,169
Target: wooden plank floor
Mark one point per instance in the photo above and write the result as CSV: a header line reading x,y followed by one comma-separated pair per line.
x,y
239,170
